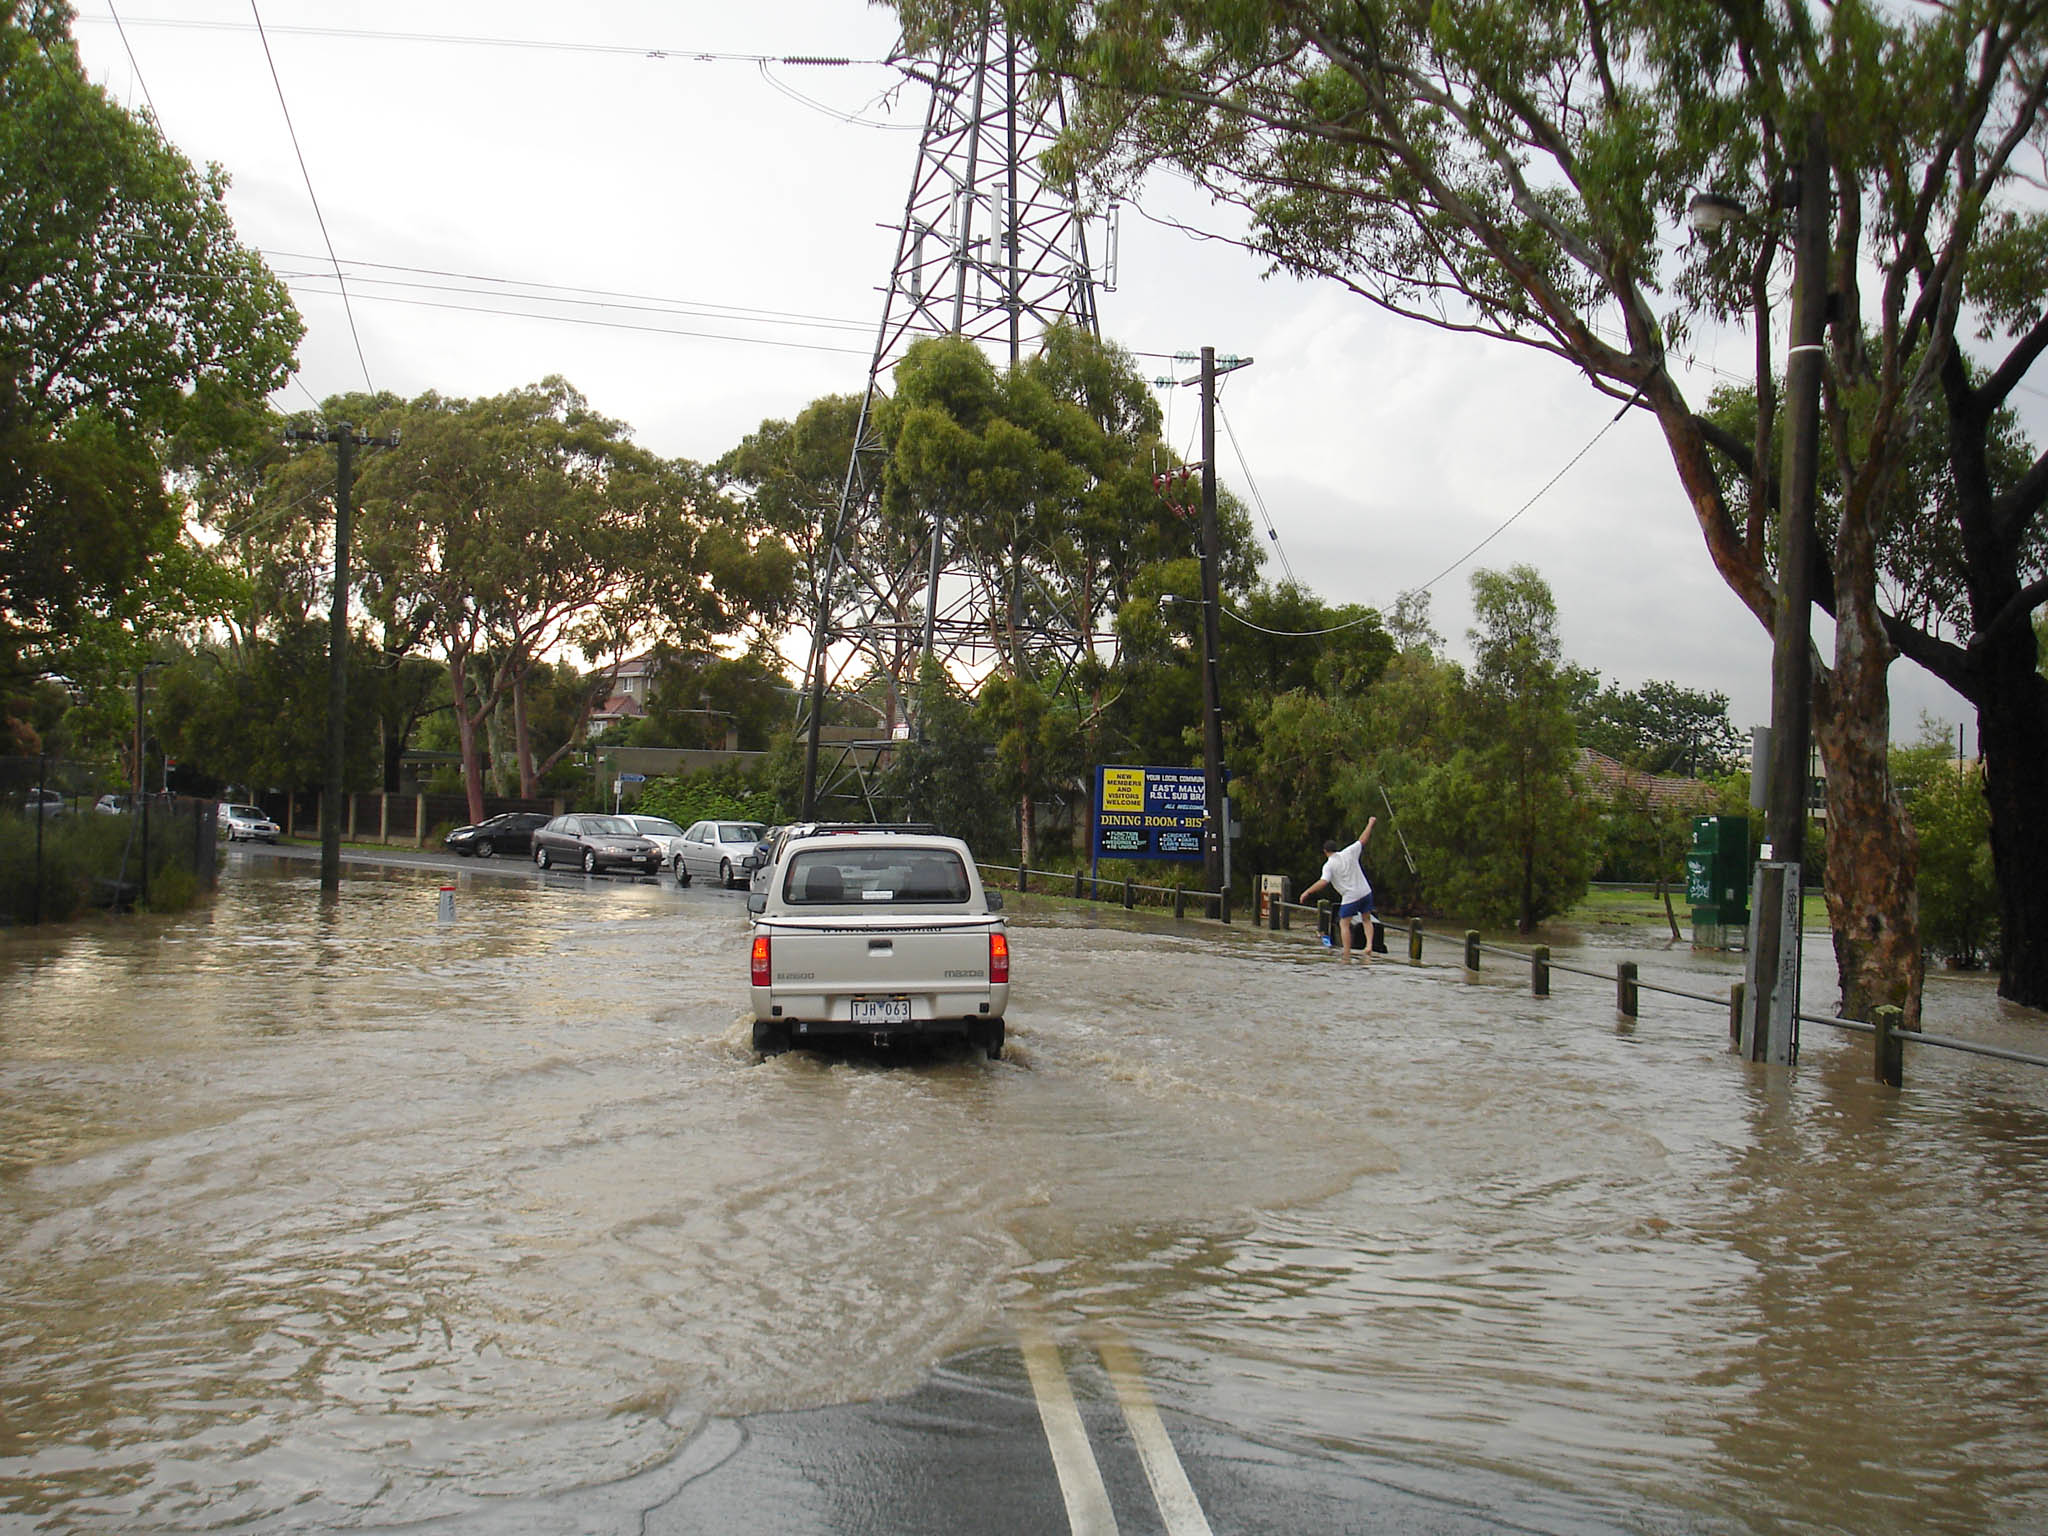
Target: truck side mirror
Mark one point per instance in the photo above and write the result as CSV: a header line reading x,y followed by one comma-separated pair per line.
x,y
757,902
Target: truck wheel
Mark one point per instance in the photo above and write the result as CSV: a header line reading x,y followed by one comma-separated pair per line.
x,y
986,1036
770,1038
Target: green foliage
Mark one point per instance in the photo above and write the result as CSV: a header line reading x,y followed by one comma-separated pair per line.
x,y
129,307
1958,894
702,797
942,774
1502,827
1662,728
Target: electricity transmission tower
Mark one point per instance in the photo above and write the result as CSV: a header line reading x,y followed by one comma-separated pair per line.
x,y
986,250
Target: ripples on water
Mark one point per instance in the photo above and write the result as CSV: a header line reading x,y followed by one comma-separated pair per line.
x,y
313,1216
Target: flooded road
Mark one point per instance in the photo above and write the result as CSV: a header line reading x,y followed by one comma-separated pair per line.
x,y
323,1217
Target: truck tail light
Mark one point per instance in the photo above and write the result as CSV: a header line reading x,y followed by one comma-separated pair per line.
x,y
761,960
998,958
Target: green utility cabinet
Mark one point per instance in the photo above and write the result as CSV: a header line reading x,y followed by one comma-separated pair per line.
x,y
1717,882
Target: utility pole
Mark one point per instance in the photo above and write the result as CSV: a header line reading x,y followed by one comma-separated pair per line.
x,y
346,440
1215,856
1771,1031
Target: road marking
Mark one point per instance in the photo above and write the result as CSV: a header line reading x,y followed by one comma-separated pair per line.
x,y
1178,1506
1088,1511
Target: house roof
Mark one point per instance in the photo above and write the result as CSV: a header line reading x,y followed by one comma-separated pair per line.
x,y
1656,789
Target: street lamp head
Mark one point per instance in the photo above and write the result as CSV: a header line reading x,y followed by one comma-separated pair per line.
x,y
1709,213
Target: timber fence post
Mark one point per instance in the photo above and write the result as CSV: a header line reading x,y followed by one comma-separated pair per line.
x,y
1539,971
1890,1060
1471,949
1625,995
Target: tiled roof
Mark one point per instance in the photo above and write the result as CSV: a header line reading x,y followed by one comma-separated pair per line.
x,y
1603,772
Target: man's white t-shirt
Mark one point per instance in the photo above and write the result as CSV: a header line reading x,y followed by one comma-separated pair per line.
x,y
1345,870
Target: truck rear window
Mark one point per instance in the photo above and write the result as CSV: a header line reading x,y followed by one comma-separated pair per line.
x,y
832,876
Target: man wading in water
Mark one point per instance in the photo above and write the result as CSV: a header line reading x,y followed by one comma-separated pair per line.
x,y
1344,873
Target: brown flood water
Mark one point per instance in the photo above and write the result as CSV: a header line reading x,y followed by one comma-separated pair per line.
x,y
318,1217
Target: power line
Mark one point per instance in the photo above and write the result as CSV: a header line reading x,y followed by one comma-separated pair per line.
x,y
1525,506
610,325
130,51
317,214
1271,532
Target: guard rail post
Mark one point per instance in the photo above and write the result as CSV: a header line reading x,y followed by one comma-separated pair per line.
x,y
1415,941
1077,885
1180,903
1023,878
1326,927
1130,896
1471,949
1223,906
1539,971
1890,1062
1626,997
1736,993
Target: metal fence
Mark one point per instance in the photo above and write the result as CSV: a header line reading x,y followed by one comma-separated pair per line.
x,y
69,843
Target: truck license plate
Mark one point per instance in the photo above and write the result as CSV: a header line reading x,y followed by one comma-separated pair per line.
x,y
881,1010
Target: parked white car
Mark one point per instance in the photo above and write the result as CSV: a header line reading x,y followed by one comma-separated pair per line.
x,y
664,834
879,937
247,823
725,851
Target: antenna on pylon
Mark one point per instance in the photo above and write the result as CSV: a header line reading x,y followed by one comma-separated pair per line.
x,y
988,250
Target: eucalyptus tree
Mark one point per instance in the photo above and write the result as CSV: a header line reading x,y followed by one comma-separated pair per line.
x,y
1524,173
127,303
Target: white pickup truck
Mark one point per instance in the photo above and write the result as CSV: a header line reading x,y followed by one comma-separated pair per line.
x,y
875,935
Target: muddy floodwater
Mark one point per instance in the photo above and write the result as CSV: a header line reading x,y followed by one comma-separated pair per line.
x,y
324,1216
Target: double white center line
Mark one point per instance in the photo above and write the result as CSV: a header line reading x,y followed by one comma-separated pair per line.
x,y
1088,1507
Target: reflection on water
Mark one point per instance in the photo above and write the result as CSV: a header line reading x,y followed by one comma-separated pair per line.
x,y
313,1217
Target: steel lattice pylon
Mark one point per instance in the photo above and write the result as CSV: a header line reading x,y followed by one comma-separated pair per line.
x,y
988,251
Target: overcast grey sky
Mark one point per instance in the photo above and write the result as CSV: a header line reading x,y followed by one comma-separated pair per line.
x,y
715,233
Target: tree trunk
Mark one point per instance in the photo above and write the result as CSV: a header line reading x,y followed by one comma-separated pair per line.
x,y
1873,857
2012,738
522,741
465,735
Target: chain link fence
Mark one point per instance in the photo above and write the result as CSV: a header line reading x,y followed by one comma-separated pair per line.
x,y
69,842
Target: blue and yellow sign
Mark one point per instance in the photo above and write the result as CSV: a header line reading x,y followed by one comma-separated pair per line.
x,y
1150,813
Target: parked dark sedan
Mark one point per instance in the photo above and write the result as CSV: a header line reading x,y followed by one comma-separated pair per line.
x,y
510,832
594,843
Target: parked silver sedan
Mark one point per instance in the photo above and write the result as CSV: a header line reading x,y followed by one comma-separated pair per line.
x,y
725,851
592,843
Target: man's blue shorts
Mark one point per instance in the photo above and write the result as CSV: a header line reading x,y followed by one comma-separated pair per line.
x,y
1353,908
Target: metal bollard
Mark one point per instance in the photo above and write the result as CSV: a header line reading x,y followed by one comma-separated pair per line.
x,y
447,912
1625,996
1415,941
1890,1060
1539,971
1471,949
